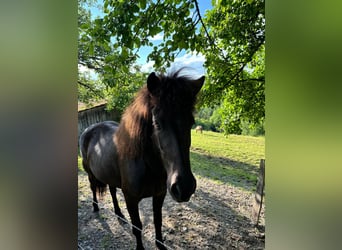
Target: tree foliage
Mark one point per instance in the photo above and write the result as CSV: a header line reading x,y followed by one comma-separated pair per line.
x,y
117,78
231,36
235,62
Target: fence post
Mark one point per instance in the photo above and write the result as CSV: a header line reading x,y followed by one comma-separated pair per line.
x,y
259,193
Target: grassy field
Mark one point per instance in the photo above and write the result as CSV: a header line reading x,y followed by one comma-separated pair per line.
x,y
232,159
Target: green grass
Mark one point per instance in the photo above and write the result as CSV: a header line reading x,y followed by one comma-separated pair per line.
x,y
79,165
232,159
247,149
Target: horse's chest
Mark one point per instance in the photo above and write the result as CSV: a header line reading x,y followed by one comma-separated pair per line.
x,y
142,180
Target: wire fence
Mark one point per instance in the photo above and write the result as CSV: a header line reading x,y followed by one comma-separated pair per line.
x,y
133,226
151,238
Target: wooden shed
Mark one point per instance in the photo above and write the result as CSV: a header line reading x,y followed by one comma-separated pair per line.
x,y
95,114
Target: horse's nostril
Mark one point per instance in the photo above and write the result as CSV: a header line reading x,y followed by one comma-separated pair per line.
x,y
175,190
182,187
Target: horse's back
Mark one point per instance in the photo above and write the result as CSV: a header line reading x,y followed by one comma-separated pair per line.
x,y
91,133
99,152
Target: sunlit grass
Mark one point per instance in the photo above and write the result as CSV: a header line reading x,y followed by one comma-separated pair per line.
x,y
247,149
79,164
232,159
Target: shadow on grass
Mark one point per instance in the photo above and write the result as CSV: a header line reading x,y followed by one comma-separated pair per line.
x,y
224,170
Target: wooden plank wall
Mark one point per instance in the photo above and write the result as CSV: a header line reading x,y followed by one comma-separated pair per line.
x,y
93,115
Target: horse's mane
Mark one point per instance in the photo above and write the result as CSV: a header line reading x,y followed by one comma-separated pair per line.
x,y
135,127
176,95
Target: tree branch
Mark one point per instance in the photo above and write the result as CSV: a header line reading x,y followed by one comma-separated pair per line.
x,y
144,20
260,79
211,41
98,93
242,67
88,65
203,25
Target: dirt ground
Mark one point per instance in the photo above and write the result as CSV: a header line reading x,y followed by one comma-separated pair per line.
x,y
218,216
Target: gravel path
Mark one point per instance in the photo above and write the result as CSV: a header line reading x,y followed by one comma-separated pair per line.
x,y
218,216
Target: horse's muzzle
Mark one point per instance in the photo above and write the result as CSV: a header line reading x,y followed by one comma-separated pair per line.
x,y
182,187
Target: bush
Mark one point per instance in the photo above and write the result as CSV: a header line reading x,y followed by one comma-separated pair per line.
x,y
207,125
252,129
221,119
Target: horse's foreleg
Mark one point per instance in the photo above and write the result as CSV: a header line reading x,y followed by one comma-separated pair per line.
x,y
133,210
117,209
157,218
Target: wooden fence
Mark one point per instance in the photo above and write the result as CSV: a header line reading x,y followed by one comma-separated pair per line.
x,y
93,115
259,193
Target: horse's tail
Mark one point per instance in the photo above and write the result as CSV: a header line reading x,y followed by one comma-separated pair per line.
x,y
83,142
100,187
97,185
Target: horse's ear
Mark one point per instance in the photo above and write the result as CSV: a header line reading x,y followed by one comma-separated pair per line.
x,y
153,83
197,84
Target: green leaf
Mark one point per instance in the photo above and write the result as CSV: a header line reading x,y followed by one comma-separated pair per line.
x,y
135,8
91,49
142,4
84,26
107,68
137,42
182,44
124,52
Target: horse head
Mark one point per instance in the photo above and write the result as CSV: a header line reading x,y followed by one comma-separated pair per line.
x,y
173,100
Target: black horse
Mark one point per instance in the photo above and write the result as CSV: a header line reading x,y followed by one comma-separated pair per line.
x,y
148,152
